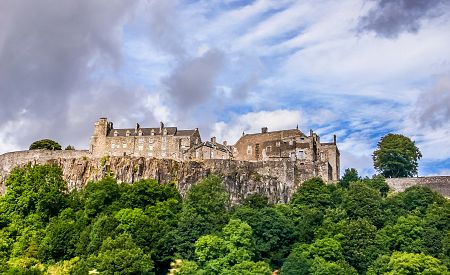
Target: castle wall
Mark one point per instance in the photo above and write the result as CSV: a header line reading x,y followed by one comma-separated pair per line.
x,y
440,184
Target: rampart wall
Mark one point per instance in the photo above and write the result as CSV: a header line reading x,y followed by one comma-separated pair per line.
x,y
440,184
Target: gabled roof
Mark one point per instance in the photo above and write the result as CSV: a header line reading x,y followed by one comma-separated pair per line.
x,y
213,145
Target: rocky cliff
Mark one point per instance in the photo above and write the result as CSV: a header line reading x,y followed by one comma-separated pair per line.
x,y
278,180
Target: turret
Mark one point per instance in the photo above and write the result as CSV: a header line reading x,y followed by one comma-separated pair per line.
x,y
98,139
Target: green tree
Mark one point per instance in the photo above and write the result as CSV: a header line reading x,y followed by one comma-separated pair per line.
x,y
70,147
362,201
229,253
396,156
312,193
204,212
47,144
405,235
358,244
350,175
38,189
274,234
121,256
324,256
408,264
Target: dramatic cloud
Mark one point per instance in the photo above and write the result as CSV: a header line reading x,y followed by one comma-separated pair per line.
x,y
49,54
389,18
228,67
433,107
193,81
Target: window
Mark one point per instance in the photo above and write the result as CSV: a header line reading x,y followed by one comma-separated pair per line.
x,y
197,154
150,147
163,154
277,144
249,149
113,146
291,142
300,154
212,153
152,132
292,156
140,132
165,132
128,133
116,133
268,149
141,140
124,145
140,148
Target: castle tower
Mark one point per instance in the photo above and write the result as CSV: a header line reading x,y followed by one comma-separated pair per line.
x,y
98,139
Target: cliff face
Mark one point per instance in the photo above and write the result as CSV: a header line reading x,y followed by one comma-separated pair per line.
x,y
278,180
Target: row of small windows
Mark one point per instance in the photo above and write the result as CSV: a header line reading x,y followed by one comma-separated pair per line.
x,y
128,133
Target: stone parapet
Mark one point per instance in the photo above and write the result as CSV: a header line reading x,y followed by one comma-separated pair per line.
x,y
440,184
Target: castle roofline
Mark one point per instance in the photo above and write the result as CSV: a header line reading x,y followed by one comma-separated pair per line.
x,y
171,131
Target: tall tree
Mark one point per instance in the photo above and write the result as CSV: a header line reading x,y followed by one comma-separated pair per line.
x,y
396,156
47,144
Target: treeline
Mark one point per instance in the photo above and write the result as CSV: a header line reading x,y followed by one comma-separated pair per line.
x,y
354,227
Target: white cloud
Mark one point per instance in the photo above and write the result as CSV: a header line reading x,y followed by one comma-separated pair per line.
x,y
253,122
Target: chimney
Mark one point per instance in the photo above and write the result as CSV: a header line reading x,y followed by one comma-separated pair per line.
x,y
264,130
224,143
311,132
334,139
137,127
213,140
161,127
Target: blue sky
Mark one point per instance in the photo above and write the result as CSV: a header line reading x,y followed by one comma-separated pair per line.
x,y
357,69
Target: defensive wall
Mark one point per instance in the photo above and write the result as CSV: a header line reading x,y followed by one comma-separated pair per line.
x,y
440,184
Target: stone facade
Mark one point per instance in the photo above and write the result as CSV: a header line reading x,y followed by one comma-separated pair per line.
x,y
316,158
163,142
211,150
440,184
291,145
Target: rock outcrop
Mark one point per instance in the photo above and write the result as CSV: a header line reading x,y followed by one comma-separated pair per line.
x,y
278,180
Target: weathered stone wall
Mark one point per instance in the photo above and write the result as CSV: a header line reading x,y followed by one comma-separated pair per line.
x,y
278,180
440,184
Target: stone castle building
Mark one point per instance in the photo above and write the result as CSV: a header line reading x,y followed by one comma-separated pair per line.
x,y
316,158
162,142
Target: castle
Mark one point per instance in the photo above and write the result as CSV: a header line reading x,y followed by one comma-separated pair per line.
x,y
316,158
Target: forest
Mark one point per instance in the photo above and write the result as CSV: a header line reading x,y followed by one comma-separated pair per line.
x,y
356,226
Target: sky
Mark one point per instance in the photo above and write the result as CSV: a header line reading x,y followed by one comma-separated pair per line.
x,y
358,69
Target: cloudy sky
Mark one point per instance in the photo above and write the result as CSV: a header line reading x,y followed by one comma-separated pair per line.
x,y
355,68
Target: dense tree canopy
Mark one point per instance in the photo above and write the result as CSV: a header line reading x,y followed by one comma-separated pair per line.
x,y
396,156
47,144
356,227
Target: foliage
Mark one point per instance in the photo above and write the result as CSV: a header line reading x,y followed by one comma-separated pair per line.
x,y
396,156
46,144
148,228
69,147
408,263
350,175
